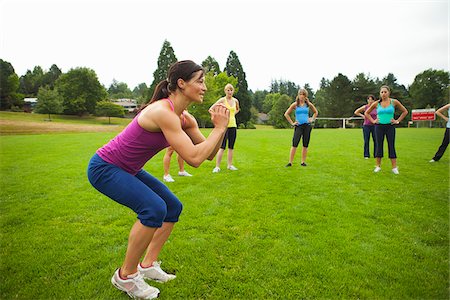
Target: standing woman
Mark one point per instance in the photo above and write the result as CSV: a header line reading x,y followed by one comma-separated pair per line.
x,y
368,127
116,171
384,125
444,144
302,124
233,106
166,165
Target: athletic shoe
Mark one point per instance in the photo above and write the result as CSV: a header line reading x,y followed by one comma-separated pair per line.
x,y
366,157
216,170
303,164
377,169
395,171
168,178
432,161
134,286
154,272
289,165
184,173
232,168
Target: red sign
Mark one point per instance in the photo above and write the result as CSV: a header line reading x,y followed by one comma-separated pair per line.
x,y
423,115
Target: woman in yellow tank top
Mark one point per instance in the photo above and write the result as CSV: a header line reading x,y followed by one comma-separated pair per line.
x,y
233,106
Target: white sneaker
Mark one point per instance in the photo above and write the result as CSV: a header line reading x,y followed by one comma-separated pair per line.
x,y
395,171
168,178
232,168
134,286
432,161
216,170
184,173
377,169
155,273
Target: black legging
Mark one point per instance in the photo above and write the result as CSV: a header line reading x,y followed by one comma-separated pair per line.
x,y
443,146
230,135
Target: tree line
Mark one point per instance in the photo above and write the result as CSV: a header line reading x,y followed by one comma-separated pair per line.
x,y
79,92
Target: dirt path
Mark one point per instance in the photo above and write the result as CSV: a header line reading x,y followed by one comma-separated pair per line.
x,y
10,127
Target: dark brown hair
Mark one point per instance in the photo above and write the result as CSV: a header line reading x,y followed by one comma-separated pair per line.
x,y
184,69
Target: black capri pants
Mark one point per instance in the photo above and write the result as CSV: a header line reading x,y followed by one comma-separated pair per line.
x,y
388,131
300,131
230,135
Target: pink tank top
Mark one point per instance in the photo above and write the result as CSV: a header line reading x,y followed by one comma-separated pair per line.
x,y
133,147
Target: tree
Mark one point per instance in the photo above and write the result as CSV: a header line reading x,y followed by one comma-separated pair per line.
x,y
80,90
9,84
362,87
430,88
258,99
276,115
284,87
269,101
234,68
32,81
109,109
49,102
215,91
140,93
340,97
51,76
211,65
165,60
119,90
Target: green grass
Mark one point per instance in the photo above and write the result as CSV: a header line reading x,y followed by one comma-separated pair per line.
x,y
333,229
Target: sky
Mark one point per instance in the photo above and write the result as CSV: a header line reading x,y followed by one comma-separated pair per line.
x,y
297,41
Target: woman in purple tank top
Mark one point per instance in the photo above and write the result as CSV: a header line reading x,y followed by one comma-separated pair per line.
x,y
116,171
368,127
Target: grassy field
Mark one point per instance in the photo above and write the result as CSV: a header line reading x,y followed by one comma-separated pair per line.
x,y
331,230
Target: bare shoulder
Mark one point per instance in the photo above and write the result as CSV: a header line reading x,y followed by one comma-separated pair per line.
x,y
156,115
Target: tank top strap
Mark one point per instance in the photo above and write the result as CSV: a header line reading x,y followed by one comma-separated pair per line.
x,y
170,102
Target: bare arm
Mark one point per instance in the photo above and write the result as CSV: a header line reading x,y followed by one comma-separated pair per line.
x,y
315,112
217,102
287,114
193,131
440,111
238,108
404,112
360,111
369,110
169,123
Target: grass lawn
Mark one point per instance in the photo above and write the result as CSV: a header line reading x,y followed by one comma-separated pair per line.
x,y
333,229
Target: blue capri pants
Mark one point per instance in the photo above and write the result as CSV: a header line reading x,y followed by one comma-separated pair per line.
x,y
148,197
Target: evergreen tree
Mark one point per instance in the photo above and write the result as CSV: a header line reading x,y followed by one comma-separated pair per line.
x,y
340,100
140,93
430,88
165,60
284,87
9,84
51,76
211,65
362,87
234,68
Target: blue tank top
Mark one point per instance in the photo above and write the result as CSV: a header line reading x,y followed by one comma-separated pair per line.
x,y
448,122
385,114
302,114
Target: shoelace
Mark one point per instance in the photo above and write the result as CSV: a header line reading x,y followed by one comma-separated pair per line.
x,y
140,283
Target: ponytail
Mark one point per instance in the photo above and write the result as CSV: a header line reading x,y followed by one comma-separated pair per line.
x,y
184,69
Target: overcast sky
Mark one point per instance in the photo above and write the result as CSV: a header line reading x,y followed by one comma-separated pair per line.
x,y
299,41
